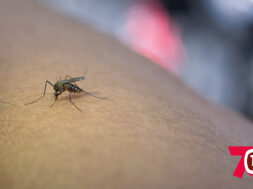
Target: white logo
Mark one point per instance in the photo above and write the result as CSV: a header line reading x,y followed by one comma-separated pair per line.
x,y
248,159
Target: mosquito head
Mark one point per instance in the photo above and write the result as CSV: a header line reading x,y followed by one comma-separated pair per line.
x,y
58,87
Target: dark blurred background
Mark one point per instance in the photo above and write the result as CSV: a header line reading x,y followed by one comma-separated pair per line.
x,y
207,43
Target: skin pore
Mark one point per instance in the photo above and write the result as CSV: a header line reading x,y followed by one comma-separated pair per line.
x,y
153,132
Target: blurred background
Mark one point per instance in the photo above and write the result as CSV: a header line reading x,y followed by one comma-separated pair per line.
x,y
207,43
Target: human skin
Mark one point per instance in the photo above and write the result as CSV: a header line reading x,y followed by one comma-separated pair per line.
x,y
153,132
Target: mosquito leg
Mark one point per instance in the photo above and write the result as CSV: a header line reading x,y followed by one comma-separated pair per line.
x,y
73,102
47,82
52,104
56,98
94,95
90,93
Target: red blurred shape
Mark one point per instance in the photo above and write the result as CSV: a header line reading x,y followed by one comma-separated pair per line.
x,y
153,35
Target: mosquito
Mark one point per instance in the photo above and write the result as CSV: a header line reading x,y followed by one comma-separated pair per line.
x,y
68,84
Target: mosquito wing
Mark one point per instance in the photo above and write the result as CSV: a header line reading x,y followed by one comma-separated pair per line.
x,y
74,79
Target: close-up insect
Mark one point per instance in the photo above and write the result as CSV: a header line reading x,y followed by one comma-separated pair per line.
x,y
68,84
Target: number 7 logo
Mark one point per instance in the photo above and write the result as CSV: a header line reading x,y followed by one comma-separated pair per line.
x,y
246,161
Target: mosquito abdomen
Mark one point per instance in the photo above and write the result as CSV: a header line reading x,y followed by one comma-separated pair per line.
x,y
74,89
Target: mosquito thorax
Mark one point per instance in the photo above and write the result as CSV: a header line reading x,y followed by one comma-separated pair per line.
x,y
57,86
